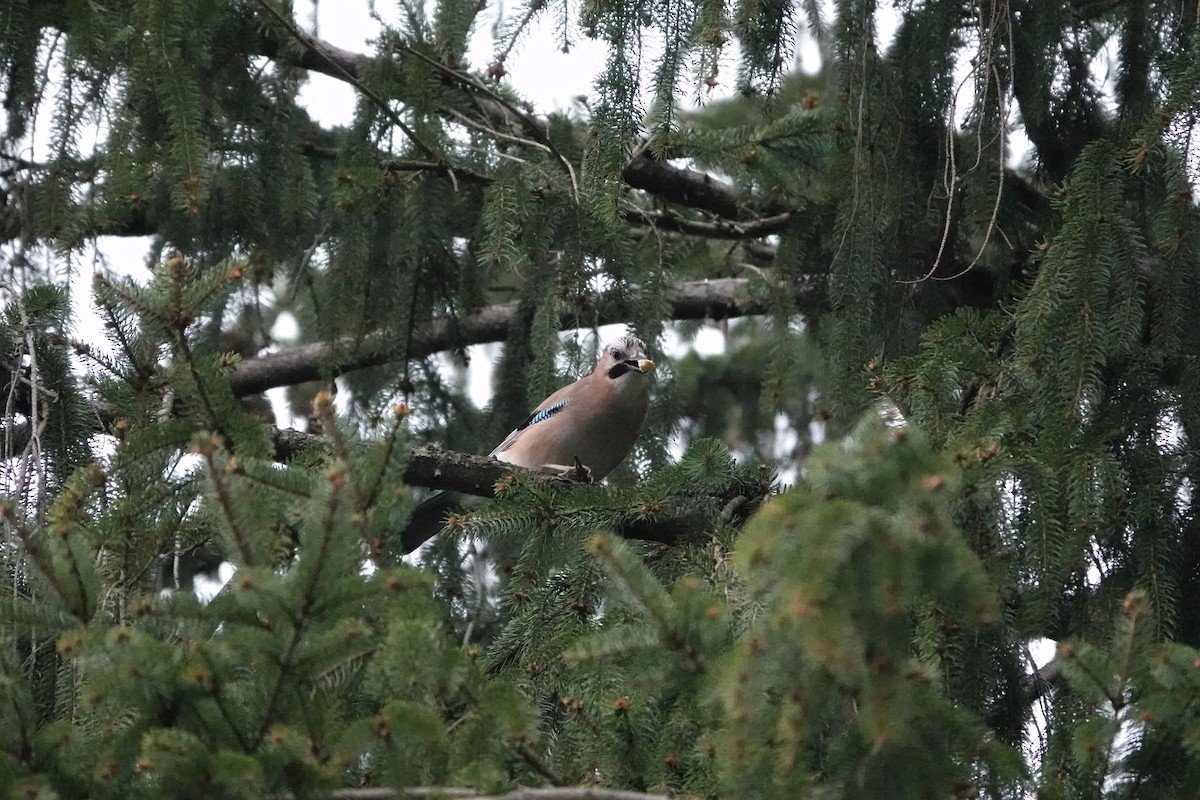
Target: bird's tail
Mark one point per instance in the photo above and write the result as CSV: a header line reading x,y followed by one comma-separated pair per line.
x,y
428,519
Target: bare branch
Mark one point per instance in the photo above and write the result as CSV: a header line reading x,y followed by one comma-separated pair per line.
x,y
722,298
550,793
712,229
715,299
683,186
462,472
315,55
1040,681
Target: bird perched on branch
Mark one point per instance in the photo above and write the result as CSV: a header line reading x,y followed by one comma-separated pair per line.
x,y
589,426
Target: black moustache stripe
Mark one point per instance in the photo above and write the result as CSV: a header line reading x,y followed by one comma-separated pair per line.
x,y
617,370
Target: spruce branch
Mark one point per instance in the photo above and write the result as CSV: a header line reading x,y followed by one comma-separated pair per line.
x,y
206,446
143,373
215,692
683,186
269,479
1035,685
410,165
720,298
207,402
20,705
323,410
649,594
304,617
34,547
433,468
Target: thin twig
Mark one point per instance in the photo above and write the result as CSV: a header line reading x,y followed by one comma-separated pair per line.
x,y
1002,134
353,80
543,140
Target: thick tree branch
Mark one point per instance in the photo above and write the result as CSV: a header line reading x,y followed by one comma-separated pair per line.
x,y
715,299
433,468
712,229
310,53
1036,684
1033,687
683,186
469,474
549,793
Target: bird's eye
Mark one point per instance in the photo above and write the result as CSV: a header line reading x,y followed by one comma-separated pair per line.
x,y
618,355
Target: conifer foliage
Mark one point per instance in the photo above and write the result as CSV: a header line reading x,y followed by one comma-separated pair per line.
x,y
958,263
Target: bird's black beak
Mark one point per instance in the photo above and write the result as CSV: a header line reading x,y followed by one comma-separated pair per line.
x,y
642,365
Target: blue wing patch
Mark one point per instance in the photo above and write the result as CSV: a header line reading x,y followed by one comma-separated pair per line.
x,y
533,419
543,415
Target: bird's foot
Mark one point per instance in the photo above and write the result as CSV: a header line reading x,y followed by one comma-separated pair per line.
x,y
579,473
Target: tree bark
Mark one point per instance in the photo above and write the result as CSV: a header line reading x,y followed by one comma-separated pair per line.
x,y
723,298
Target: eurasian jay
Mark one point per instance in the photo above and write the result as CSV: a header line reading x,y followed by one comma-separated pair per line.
x,y
592,422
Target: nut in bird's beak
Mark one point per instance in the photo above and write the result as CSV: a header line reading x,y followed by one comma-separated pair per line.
x,y
645,365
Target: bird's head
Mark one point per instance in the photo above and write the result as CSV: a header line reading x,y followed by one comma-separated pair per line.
x,y
624,361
